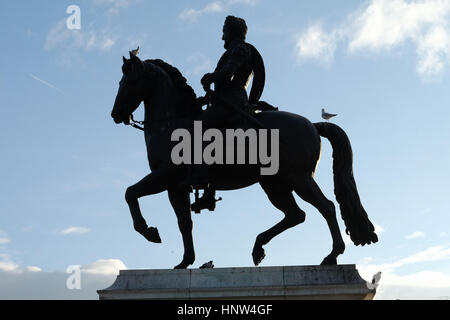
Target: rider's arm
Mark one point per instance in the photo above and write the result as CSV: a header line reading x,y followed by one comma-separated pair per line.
x,y
227,71
233,63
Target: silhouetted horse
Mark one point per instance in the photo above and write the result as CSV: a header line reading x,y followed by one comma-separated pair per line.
x,y
169,105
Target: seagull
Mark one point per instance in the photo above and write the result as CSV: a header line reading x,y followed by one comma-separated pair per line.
x,y
327,116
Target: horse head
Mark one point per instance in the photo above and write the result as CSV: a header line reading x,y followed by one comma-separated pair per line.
x,y
132,89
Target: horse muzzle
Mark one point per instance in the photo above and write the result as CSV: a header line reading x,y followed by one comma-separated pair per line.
x,y
119,118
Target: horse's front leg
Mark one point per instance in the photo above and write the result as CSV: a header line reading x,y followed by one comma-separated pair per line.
x,y
154,183
181,203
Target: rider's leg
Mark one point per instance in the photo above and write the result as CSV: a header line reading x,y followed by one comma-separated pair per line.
x,y
211,118
206,201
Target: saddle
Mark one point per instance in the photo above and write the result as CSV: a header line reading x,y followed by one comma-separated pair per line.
x,y
261,106
208,200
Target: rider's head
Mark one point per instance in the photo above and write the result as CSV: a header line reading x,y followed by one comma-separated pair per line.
x,y
234,28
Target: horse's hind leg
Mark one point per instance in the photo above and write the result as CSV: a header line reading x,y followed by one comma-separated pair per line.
x,y
181,203
154,183
309,191
282,198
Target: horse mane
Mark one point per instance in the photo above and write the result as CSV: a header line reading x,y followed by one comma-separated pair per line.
x,y
187,94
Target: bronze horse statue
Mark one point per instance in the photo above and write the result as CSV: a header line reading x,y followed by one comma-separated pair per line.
x,y
170,104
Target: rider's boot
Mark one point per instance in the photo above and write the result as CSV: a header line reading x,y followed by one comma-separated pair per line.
x,y
200,180
207,201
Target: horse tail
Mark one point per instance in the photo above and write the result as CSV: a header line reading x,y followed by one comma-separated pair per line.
x,y
357,223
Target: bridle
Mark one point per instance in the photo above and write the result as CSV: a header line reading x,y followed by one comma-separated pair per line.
x,y
135,124
138,124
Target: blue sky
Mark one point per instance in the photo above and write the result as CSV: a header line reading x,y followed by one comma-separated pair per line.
x,y
382,65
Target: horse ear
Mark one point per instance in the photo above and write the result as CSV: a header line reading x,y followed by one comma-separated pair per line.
x,y
135,59
124,60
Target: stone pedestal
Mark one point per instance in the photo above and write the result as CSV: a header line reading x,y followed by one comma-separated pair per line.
x,y
294,282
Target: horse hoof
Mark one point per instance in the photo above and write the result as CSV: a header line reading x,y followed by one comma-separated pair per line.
x,y
258,255
329,261
152,235
185,263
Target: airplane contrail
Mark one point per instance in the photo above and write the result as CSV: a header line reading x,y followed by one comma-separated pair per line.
x,y
45,82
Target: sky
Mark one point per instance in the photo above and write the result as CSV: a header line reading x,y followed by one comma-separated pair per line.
x,y
382,65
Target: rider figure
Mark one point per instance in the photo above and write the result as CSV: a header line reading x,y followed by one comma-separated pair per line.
x,y
230,79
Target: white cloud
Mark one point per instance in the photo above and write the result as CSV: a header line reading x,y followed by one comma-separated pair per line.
x,y
346,238
415,235
100,267
199,64
104,267
366,260
7,265
135,40
193,14
436,253
247,2
72,230
49,286
114,6
4,239
423,284
378,229
385,25
434,51
33,269
421,279
316,44
31,283
60,36
213,7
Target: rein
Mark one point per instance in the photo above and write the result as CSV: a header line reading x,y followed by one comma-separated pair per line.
x,y
139,124
136,124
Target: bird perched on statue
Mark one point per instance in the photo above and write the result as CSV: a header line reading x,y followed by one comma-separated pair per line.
x,y
375,281
208,265
135,52
327,116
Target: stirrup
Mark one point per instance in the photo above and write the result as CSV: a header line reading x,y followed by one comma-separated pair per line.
x,y
205,202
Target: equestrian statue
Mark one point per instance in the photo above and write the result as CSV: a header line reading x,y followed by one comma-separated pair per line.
x,y
171,104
